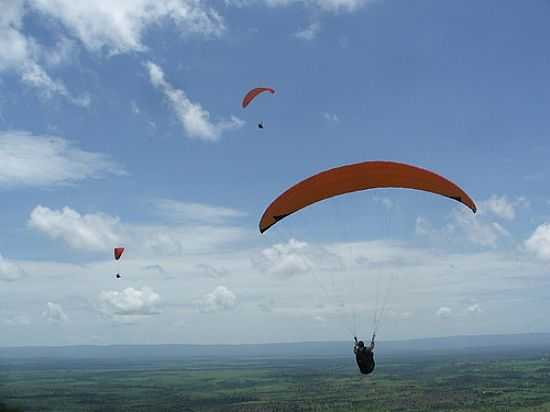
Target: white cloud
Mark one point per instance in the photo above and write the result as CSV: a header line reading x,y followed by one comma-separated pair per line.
x,y
194,119
35,76
211,271
129,304
15,48
444,312
54,313
475,228
475,308
65,51
101,232
101,25
22,54
539,242
220,299
25,157
325,5
481,228
285,259
95,232
10,271
309,33
164,240
331,117
337,5
195,212
502,207
267,306
118,27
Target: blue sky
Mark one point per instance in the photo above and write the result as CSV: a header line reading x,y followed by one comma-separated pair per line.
x,y
122,125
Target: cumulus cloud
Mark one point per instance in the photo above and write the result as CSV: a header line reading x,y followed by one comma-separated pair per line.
x,y
94,232
118,27
25,157
99,232
10,271
34,75
285,259
129,304
539,242
16,49
54,313
476,228
101,26
502,207
195,212
21,54
64,52
175,240
220,299
194,119
481,229
444,312
309,33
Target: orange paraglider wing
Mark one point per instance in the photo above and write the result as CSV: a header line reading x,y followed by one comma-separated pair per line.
x,y
251,95
118,252
360,176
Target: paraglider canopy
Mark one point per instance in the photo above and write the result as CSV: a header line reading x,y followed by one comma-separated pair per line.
x,y
118,251
251,95
360,176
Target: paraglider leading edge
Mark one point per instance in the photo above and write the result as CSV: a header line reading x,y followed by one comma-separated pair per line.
x,y
356,177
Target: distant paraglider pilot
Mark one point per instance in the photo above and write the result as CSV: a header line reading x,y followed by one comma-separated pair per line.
x,y
118,251
364,355
251,95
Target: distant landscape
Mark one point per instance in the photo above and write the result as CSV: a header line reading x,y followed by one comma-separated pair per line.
x,y
455,373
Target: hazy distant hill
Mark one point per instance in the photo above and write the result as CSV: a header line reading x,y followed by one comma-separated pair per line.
x,y
455,344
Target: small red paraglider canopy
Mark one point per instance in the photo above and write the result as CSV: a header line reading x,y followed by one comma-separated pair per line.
x,y
118,252
251,95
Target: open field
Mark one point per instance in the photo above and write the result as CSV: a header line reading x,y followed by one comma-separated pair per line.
x,y
460,381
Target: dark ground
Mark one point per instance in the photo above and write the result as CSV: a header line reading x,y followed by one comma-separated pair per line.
x,y
459,381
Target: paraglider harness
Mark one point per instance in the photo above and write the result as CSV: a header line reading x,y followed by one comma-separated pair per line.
x,y
364,356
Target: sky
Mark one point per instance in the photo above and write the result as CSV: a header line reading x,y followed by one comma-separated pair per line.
x,y
121,125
